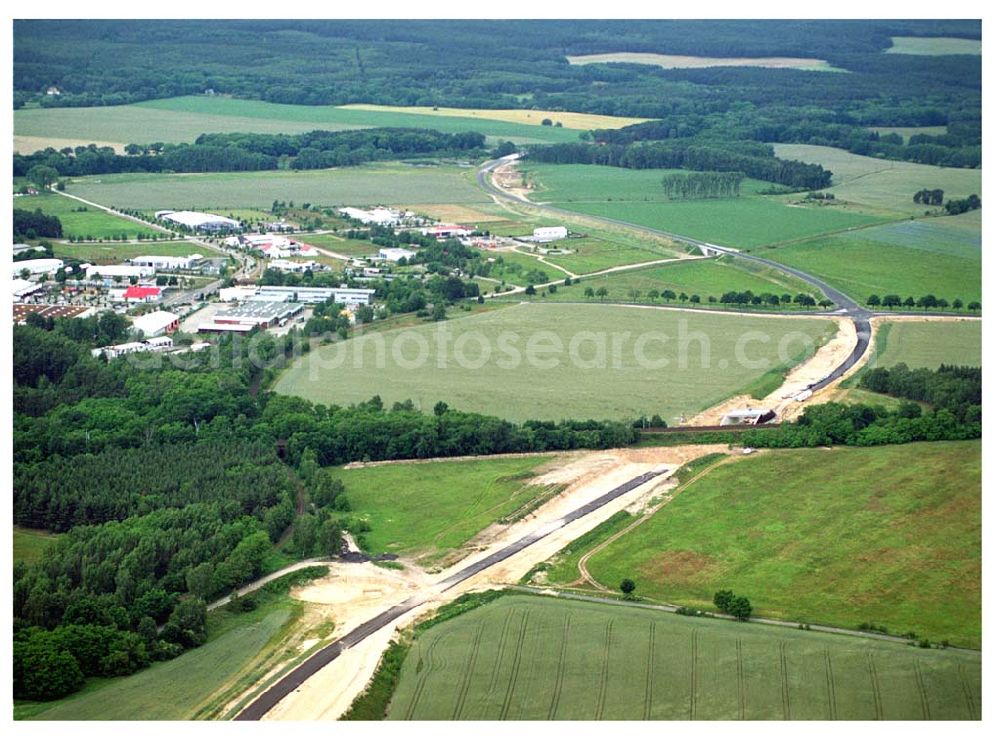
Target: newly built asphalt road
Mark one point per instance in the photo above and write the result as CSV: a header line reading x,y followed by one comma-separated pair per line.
x,y
294,679
845,306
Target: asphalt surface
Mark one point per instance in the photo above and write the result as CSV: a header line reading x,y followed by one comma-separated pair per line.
x,y
294,679
845,306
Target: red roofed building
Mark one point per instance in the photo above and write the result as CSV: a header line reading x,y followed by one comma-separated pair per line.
x,y
143,294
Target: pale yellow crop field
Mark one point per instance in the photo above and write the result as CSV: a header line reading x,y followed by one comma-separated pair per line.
x,y
671,61
571,120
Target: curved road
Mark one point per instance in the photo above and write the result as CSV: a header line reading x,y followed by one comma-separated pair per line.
x,y
294,679
846,306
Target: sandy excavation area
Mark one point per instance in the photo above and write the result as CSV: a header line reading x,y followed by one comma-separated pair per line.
x,y
354,593
782,400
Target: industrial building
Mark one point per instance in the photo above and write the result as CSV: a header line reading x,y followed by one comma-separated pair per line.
x,y
109,273
447,231
251,314
375,216
153,345
136,294
155,324
548,234
21,288
318,294
167,263
37,266
395,255
55,311
204,221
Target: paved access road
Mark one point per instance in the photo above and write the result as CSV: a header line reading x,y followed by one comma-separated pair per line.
x,y
845,306
294,679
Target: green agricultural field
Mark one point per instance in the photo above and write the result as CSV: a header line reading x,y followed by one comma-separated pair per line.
x,y
182,119
741,223
516,267
343,246
909,258
553,361
704,277
29,544
176,689
427,510
934,46
118,252
929,344
591,183
888,535
531,658
880,186
391,184
82,220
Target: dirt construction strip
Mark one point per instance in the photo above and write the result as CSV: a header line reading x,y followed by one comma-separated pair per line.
x,y
258,708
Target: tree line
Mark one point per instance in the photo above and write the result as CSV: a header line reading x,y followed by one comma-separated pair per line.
x,y
30,225
707,185
254,152
754,160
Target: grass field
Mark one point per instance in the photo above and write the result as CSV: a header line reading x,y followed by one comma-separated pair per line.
x,y
673,61
89,222
177,689
934,46
343,246
529,658
117,252
704,277
889,535
553,361
29,544
391,184
636,196
929,344
427,510
182,119
909,258
880,186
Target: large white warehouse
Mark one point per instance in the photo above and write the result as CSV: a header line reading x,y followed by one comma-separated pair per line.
x,y
199,220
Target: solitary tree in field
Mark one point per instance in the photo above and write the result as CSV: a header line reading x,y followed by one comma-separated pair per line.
x,y
589,292
723,599
627,587
668,295
740,608
652,295
975,306
530,291
874,301
909,302
602,293
957,304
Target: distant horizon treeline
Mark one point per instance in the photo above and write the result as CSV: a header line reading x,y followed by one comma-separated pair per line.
x,y
317,149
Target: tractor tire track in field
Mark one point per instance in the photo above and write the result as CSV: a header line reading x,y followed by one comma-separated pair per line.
x,y
741,696
970,699
515,670
602,694
693,703
783,667
501,648
423,680
470,666
831,688
647,708
921,689
560,671
876,692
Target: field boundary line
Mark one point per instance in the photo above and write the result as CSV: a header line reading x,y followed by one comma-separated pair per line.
x,y
647,709
560,671
602,692
516,668
423,680
463,689
504,632
921,689
970,699
693,702
876,691
831,687
783,670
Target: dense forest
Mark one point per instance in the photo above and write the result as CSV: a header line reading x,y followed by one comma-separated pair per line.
x,y
255,152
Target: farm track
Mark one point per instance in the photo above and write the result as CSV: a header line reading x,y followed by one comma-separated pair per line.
x,y
560,671
470,667
877,693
